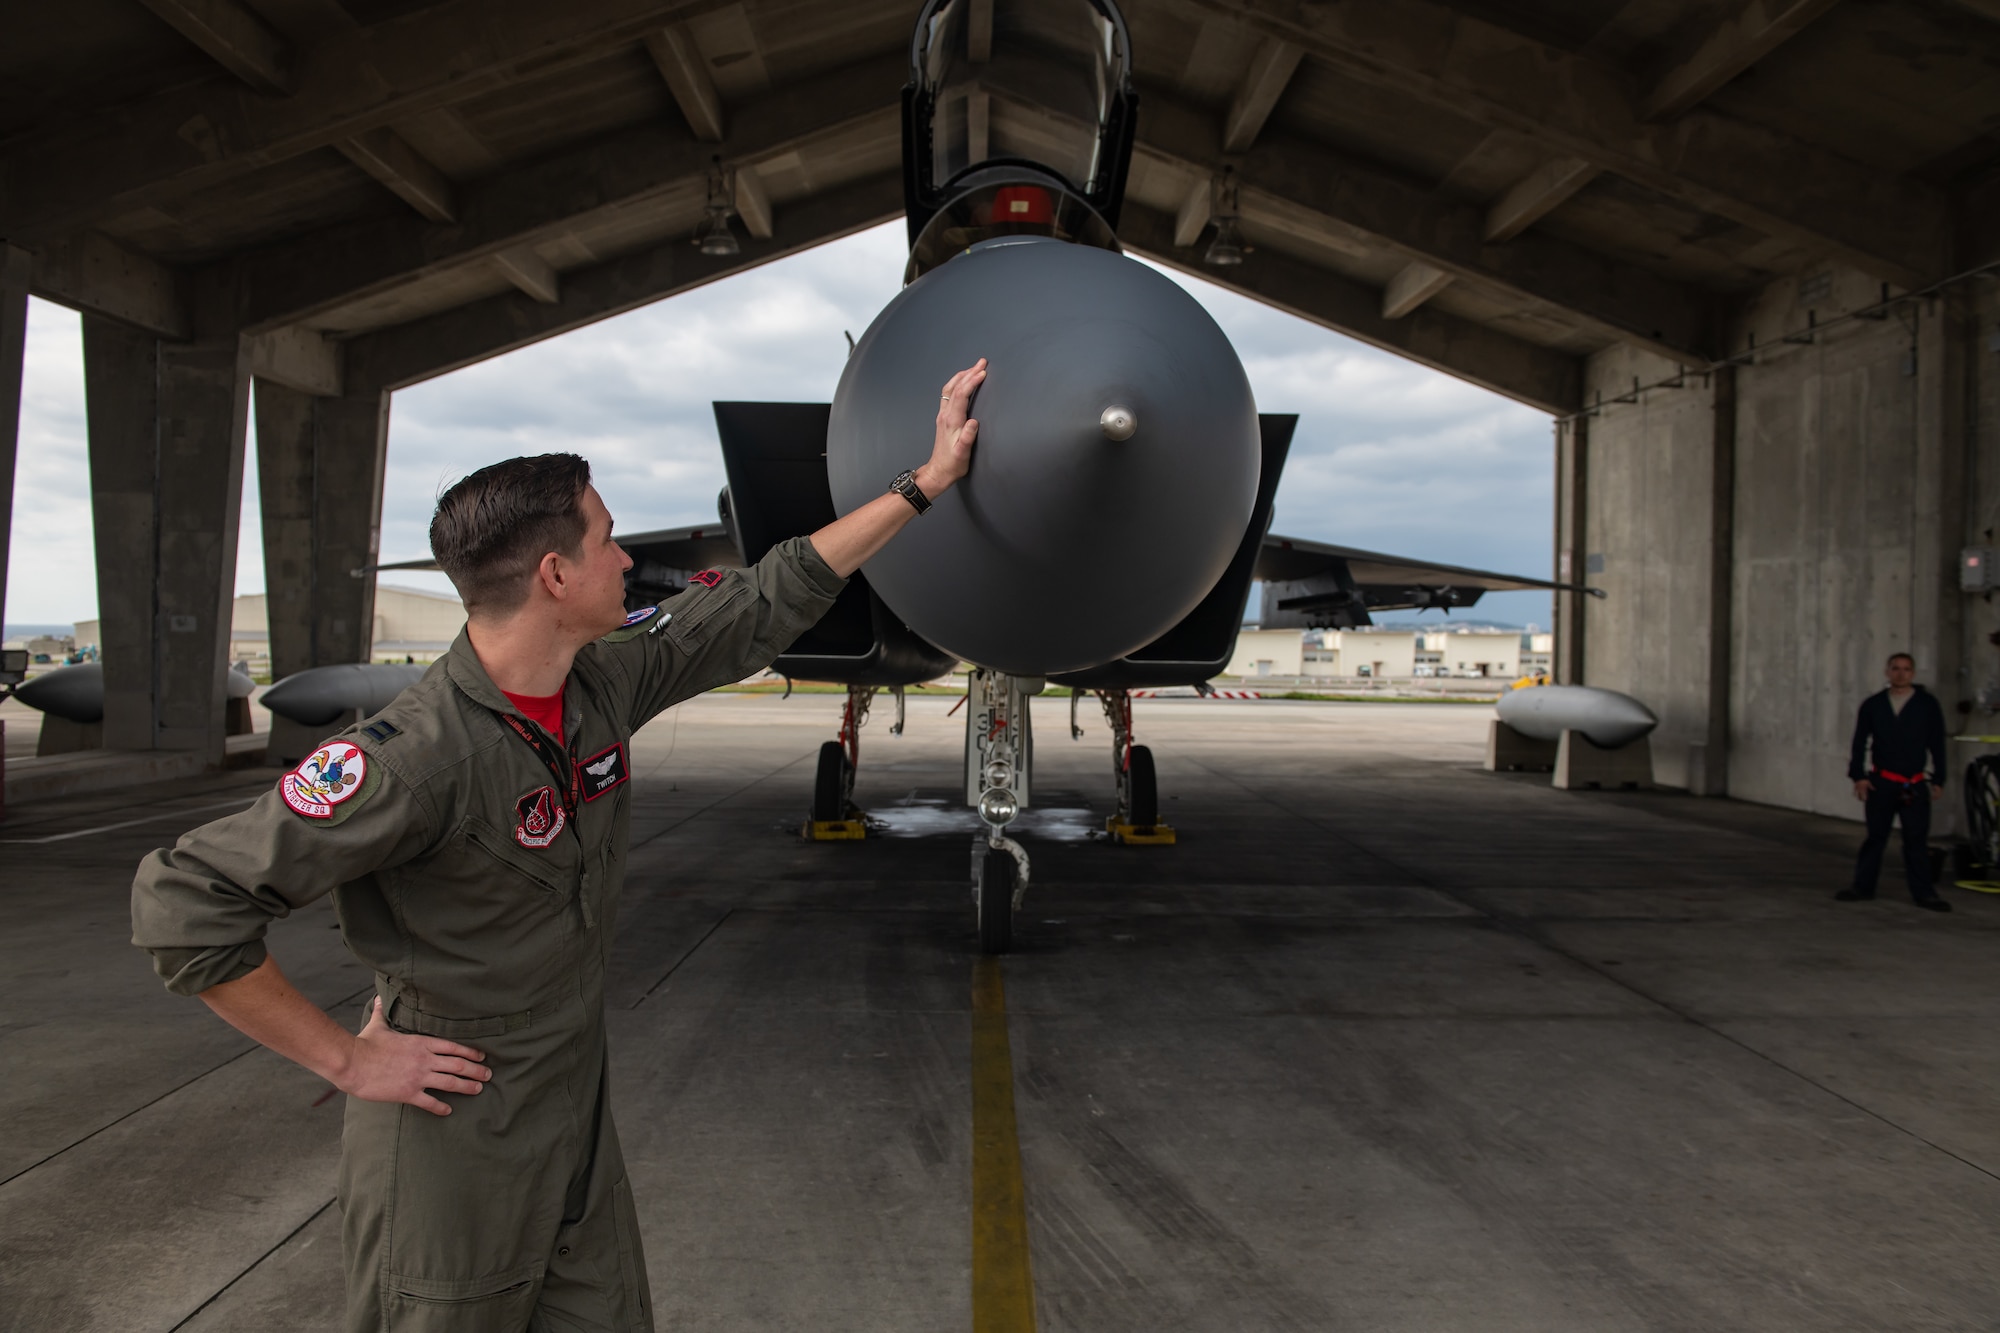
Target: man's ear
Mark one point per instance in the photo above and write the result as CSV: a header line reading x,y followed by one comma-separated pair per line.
x,y
552,576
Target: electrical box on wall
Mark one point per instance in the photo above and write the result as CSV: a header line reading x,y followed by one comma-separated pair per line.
x,y
1975,569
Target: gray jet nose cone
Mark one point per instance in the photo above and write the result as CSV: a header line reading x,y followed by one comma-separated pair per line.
x,y
1068,545
73,693
1605,717
319,695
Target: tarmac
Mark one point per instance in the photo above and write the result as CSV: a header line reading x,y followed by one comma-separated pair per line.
x,y
1385,1042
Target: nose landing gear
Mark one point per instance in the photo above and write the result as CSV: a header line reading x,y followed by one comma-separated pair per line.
x,y
999,754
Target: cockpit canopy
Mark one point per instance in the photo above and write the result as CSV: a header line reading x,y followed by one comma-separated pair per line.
x,y
1045,84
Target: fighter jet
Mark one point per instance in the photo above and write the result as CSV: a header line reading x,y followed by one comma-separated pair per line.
x,y
1120,499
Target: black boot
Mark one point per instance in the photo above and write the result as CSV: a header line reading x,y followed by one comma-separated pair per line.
x,y
1932,903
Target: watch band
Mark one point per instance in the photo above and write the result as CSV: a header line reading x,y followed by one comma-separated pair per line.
x,y
906,486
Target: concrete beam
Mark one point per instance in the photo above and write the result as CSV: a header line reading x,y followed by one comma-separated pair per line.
x,y
530,273
137,152
630,169
426,348
1732,44
979,31
299,359
1194,212
234,37
403,171
1263,84
753,203
1891,226
88,271
1536,195
16,268
680,62
1572,547
1413,285
320,465
1620,300
1545,379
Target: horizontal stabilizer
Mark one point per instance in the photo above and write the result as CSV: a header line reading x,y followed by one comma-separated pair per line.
x,y
1310,583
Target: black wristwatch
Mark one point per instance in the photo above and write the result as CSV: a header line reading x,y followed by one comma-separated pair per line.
x,y
906,486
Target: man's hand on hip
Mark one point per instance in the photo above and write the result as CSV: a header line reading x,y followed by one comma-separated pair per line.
x,y
1863,789
392,1066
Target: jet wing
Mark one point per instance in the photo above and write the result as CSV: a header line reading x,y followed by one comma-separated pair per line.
x,y
1310,583
661,561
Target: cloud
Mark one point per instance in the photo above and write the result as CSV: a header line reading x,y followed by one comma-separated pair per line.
x,y
1389,455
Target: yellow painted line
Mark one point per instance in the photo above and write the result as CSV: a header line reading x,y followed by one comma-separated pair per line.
x,y
1003,1287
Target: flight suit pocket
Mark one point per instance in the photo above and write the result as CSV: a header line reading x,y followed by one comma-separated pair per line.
x,y
690,628
495,1305
540,867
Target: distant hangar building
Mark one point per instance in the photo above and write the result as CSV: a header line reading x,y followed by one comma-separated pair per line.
x,y
408,624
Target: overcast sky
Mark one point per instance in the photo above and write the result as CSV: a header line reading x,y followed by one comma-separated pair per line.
x,y
1388,456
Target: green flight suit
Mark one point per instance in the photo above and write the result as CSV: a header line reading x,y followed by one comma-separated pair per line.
x,y
485,911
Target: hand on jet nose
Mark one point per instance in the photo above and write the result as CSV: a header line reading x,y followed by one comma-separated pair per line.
x,y
951,456
392,1066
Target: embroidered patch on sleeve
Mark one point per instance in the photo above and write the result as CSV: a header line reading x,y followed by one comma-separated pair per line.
x,y
603,771
642,615
381,730
542,818
327,778
708,578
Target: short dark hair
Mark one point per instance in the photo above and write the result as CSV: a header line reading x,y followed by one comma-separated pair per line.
x,y
494,527
1905,657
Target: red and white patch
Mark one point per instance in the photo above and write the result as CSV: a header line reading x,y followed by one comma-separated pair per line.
x,y
707,578
542,818
331,774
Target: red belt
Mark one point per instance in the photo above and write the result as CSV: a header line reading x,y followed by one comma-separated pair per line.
x,y
1898,777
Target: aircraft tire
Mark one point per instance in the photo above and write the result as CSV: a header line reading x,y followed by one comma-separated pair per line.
x,y
830,784
1143,789
996,903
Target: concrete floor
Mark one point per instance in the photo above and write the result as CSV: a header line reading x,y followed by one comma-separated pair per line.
x,y
1386,1042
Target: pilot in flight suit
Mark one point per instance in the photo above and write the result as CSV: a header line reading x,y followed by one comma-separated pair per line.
x,y
475,866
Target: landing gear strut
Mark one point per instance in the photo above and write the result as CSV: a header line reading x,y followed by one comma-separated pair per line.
x,y
999,754
834,817
1138,817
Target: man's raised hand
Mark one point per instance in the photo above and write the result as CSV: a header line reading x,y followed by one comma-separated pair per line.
x,y
951,453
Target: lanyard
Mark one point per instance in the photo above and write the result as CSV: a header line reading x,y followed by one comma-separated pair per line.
x,y
567,782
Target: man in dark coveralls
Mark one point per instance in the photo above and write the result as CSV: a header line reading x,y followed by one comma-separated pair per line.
x,y
473,835
1897,736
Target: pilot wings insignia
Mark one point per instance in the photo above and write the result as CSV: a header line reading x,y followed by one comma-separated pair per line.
x,y
603,771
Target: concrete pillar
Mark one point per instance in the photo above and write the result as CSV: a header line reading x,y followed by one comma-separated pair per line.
x,y
1946,517
1572,498
166,424
16,267
121,403
320,463
1708,766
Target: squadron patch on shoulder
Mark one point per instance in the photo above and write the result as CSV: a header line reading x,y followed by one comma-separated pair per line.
x,y
640,616
542,818
603,771
708,578
331,775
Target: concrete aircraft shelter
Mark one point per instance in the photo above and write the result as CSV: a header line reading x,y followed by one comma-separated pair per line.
x,y
1735,247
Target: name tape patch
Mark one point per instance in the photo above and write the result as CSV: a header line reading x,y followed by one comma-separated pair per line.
x,y
604,770
541,818
330,775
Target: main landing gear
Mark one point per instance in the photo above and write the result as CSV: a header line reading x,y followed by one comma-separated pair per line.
x,y
834,816
999,754
1137,822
